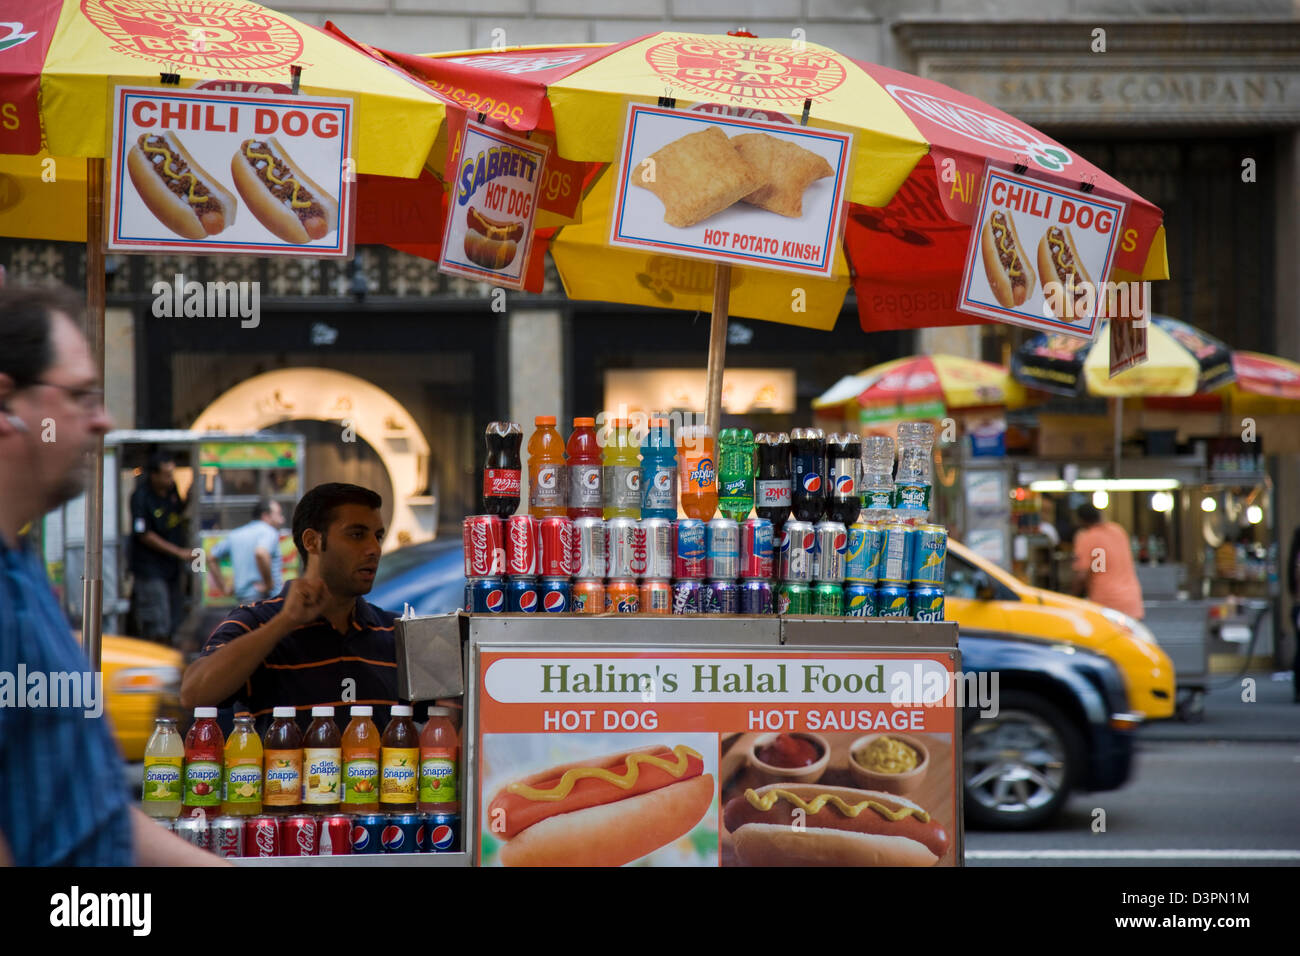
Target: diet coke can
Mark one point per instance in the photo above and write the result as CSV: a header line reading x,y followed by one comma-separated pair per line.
x,y
194,830
557,547
589,549
832,546
723,545
756,549
689,555
798,545
523,546
262,836
228,836
298,835
336,835
622,537
485,550
657,534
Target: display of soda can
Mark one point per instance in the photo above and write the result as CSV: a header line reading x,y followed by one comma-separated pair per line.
x,y
896,553
523,546
556,535
689,553
589,543
621,535
859,599
588,597
194,830
262,836
521,596
555,595
828,599
722,547
368,833
862,560
721,597
656,597
925,603
656,537
798,546
929,553
794,597
688,597
401,833
485,595
298,835
440,833
335,837
167,823
756,549
828,558
892,600
227,836
485,552
622,596
756,597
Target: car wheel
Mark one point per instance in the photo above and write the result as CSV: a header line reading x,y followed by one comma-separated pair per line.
x,y
1020,766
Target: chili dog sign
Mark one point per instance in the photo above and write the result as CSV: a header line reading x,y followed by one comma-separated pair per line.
x,y
211,171
492,204
1040,254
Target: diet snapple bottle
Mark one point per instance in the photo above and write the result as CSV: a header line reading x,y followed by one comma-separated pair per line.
x,y
164,761
322,763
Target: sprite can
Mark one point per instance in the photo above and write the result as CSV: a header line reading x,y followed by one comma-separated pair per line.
x,y
794,597
859,600
828,599
736,473
892,600
929,554
926,604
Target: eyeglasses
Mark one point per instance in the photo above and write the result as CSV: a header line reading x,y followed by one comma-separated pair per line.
x,y
89,399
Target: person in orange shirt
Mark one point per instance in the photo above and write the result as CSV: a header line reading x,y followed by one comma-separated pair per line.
x,y
1103,564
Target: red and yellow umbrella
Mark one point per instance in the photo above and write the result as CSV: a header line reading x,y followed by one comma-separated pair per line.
x,y
922,386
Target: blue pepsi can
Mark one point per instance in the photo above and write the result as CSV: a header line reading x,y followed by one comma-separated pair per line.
x,y
555,595
896,553
689,553
756,597
862,562
721,597
926,603
439,833
368,832
860,599
722,542
892,600
401,833
521,596
929,554
688,597
485,595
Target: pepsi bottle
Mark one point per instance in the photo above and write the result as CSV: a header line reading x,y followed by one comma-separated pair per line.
x,y
808,473
502,470
772,482
844,473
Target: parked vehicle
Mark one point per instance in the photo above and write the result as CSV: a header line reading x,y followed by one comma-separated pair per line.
x,y
142,680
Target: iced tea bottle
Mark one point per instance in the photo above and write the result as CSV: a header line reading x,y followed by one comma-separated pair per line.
x,y
282,763
322,763
439,764
164,763
399,762
361,762
204,744
241,783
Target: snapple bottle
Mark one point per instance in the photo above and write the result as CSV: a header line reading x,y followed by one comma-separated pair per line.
x,y
322,763
204,744
241,784
439,764
361,762
164,762
399,762
282,763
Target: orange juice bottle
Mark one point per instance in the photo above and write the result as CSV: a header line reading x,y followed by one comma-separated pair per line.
x,y
361,744
241,782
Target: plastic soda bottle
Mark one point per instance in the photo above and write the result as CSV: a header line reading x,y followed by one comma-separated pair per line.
x,y
399,762
698,471
548,483
204,744
439,764
877,478
501,471
282,763
808,470
164,765
735,473
772,484
913,479
322,763
844,477
361,762
621,480
585,498
658,471
241,784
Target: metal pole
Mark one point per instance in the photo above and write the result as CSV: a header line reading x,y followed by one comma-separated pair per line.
x,y
92,595
1119,431
718,344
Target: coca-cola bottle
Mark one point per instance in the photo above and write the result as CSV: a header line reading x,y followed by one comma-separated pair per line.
x,y
844,489
501,471
808,473
772,483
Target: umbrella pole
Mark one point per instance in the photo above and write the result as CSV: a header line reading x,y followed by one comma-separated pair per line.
x,y
718,344
92,596
1119,431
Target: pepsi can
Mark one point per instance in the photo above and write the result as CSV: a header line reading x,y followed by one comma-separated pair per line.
x,y
892,600
657,534
721,597
368,833
859,599
925,603
401,833
555,596
896,553
521,596
798,545
929,554
756,549
688,597
828,558
689,554
862,560
722,542
756,597
589,549
440,833
485,595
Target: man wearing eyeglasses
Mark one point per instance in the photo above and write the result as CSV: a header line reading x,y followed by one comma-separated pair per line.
x,y
62,802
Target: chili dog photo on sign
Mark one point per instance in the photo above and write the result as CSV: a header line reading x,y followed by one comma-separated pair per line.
x,y
208,171
1040,254
492,204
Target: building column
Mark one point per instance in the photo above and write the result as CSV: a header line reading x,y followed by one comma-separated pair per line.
x,y
536,367
119,366
961,340
1286,338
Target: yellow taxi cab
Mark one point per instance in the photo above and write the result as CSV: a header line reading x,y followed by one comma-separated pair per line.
x,y
980,596
142,681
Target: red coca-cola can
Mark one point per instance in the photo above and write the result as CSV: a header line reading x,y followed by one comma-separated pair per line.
x,y
557,547
298,835
485,550
262,836
335,835
228,836
523,546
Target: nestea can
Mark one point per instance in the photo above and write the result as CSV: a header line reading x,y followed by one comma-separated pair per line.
x,y
929,554
862,561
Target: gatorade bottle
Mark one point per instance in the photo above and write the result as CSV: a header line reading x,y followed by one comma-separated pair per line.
x,y
548,484
204,746
241,783
501,469
439,764
658,472
621,480
399,763
585,498
735,473
361,762
697,471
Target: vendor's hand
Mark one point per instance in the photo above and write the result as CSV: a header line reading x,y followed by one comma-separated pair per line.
x,y
305,601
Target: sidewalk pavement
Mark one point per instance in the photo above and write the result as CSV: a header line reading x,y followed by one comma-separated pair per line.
x,y
1271,716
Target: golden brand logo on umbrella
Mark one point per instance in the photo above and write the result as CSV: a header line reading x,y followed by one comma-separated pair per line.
x,y
755,71
665,275
213,35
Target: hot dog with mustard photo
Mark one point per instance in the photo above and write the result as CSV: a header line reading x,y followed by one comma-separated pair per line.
x,y
1059,262
175,188
491,243
1005,262
282,197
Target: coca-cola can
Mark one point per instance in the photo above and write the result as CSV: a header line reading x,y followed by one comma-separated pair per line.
x,y
523,546
194,830
228,836
298,835
262,836
589,549
798,546
656,537
485,550
335,835
689,555
622,537
557,547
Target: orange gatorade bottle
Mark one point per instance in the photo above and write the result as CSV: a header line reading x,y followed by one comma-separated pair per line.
x,y
548,481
